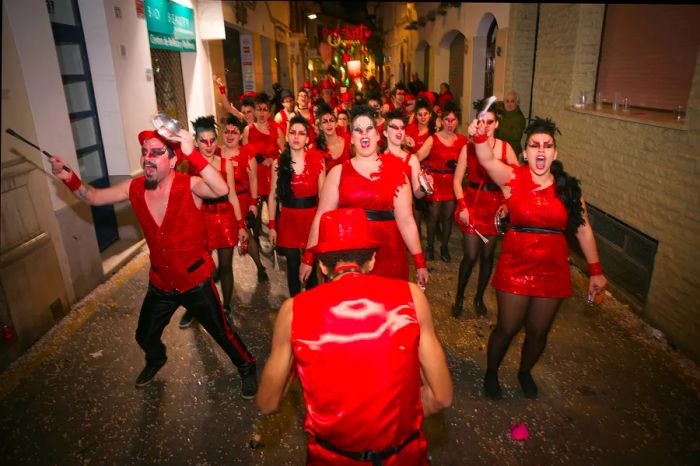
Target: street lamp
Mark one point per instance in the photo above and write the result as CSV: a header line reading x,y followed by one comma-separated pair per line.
x,y
312,16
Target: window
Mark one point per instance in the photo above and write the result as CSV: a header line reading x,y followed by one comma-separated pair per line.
x,y
648,54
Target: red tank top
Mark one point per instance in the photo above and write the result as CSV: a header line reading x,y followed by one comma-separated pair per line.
x,y
475,172
179,258
305,184
355,344
377,193
241,180
441,154
265,144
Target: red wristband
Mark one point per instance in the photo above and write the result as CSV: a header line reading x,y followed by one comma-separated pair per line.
x,y
222,89
197,161
241,224
419,261
480,138
73,182
307,258
461,204
595,269
272,224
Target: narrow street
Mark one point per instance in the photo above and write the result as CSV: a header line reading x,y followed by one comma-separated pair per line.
x,y
610,392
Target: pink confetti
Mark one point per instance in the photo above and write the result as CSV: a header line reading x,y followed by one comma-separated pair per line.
x,y
519,432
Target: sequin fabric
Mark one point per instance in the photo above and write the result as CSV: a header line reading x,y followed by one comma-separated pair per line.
x,y
355,344
266,146
534,264
441,157
344,155
354,190
482,205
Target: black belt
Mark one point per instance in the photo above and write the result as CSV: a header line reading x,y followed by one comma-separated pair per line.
x,y
376,457
215,200
300,202
238,193
527,229
441,171
379,215
484,187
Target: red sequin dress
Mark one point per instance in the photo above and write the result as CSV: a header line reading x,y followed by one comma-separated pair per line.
x,y
418,139
441,164
534,264
377,194
241,181
355,344
219,217
344,155
482,196
294,222
266,146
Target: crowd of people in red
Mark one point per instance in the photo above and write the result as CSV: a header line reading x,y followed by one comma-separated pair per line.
x,y
346,179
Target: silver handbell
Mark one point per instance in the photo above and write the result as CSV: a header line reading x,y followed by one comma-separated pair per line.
x,y
425,184
166,125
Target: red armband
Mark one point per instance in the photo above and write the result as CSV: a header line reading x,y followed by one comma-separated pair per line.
x,y
222,89
595,269
419,261
461,204
307,258
272,224
73,182
480,138
197,161
241,224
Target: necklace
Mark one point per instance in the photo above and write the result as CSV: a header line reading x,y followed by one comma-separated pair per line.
x,y
343,269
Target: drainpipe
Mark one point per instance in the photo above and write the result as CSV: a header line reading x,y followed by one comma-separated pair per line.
x,y
534,62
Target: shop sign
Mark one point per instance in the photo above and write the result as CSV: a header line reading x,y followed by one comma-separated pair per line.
x,y
347,33
170,25
247,68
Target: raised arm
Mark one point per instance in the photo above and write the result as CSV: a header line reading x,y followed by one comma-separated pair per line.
x,y
209,184
436,392
499,172
277,374
227,104
86,193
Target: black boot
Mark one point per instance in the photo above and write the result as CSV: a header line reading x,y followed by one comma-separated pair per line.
x,y
459,305
445,253
249,380
492,388
480,307
527,383
429,253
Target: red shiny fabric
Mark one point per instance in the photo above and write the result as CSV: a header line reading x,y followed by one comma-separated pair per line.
x,y
178,244
241,181
404,161
354,190
265,145
344,155
482,205
355,345
534,264
293,225
440,155
222,231
418,139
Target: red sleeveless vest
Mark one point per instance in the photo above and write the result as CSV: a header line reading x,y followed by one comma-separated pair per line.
x,y
355,344
179,258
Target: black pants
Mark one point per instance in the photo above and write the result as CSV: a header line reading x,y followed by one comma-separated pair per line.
x,y
203,302
293,257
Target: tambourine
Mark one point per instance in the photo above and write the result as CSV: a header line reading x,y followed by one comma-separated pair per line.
x,y
166,125
501,219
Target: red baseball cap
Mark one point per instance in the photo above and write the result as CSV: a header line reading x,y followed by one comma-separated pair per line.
x,y
151,134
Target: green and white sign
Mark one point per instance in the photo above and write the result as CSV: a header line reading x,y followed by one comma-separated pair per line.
x,y
170,26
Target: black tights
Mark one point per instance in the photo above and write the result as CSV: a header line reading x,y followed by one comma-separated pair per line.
x,y
513,311
475,248
293,256
440,211
225,256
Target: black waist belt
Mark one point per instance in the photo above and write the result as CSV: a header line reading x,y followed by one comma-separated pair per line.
x,y
441,171
375,457
300,202
215,201
484,187
526,229
379,215
238,193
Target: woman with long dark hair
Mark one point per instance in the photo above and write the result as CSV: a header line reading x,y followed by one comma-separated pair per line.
x,y
476,208
532,276
297,179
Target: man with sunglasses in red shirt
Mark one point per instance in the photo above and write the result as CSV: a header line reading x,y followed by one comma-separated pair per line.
x,y
168,207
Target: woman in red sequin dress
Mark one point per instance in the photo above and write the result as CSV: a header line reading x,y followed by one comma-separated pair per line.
x,y
476,208
225,226
267,139
439,154
394,132
379,185
334,147
532,276
297,178
417,132
245,172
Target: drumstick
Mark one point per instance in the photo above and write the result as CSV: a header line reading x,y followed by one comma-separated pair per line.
x,y
12,132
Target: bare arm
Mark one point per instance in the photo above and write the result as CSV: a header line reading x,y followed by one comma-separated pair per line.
x,y
272,203
511,156
586,239
403,213
224,98
253,181
436,392
86,193
244,136
425,149
460,170
276,376
499,172
415,170
280,138
233,199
